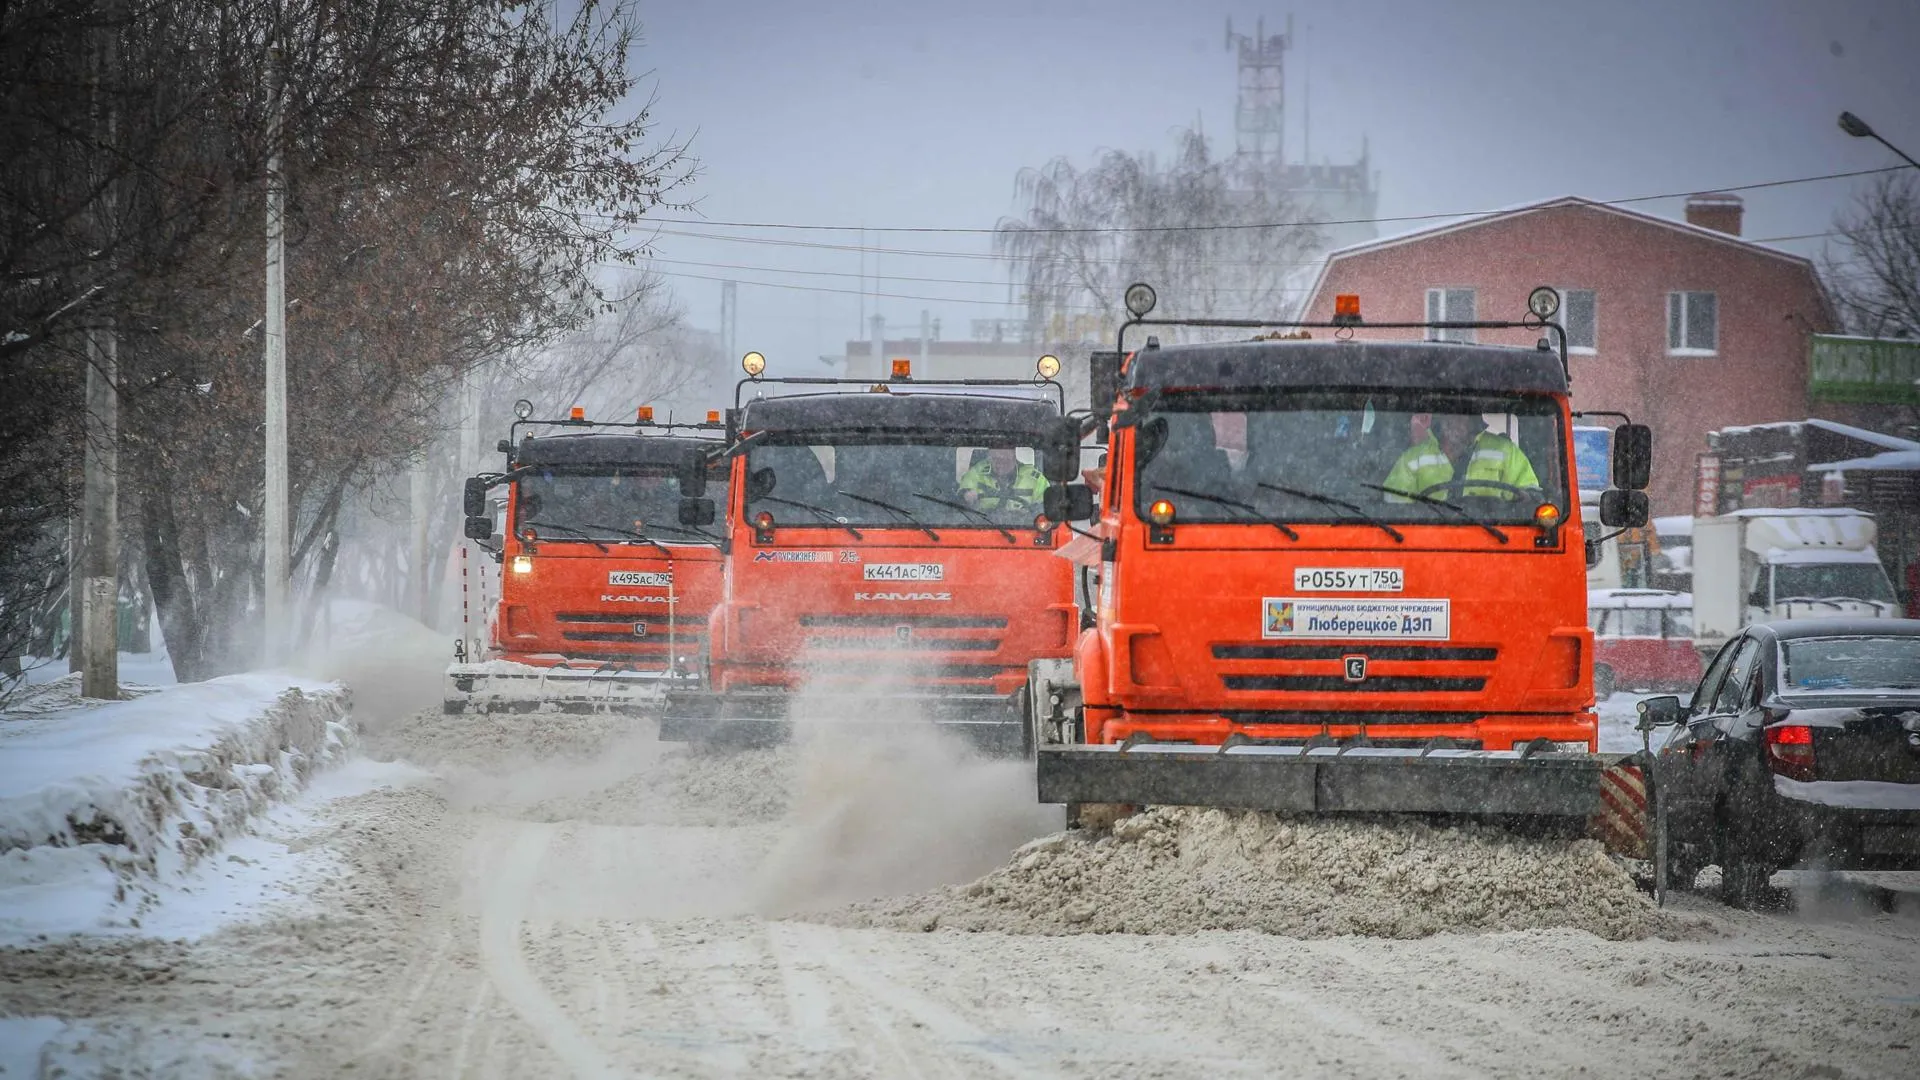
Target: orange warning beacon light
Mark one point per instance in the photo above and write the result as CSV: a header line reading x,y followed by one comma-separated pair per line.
x,y
713,416
903,368
646,414
578,413
1346,309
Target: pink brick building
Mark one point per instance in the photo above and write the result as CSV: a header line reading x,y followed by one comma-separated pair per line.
x,y
1682,325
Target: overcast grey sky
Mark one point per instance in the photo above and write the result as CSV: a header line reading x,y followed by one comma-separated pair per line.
x,y
918,113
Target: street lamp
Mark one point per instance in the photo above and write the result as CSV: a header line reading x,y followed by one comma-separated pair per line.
x,y
1859,129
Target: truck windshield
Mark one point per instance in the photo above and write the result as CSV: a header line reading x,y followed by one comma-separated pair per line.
x,y
607,503
1496,457
1831,581
955,482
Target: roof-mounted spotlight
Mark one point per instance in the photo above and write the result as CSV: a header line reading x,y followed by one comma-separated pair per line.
x,y
753,364
1543,302
523,408
1140,299
1048,366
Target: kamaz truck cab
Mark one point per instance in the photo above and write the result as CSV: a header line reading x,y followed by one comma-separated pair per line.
x,y
889,560
1336,574
604,590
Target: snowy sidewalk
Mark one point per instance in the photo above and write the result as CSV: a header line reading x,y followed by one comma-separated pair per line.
x,y
102,801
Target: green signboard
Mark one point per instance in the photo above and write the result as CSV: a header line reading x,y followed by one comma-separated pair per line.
x,y
1869,371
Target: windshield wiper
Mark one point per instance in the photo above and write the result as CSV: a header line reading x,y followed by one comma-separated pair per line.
x,y
908,514
975,511
1235,503
1431,501
581,533
637,536
1328,500
819,512
686,532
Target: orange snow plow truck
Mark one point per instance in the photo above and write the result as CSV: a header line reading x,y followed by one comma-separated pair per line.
x,y
888,561
1339,575
604,587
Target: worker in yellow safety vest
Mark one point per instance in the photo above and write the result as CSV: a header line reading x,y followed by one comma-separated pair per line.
x,y
1002,482
1454,440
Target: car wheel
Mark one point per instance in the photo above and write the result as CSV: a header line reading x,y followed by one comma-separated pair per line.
x,y
1745,871
1602,682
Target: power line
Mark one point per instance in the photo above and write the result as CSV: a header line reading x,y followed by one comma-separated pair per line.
x,y
844,292
979,231
1256,291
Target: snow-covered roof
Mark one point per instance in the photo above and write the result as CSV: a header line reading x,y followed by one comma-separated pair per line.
x,y
1890,461
1797,511
1877,438
1677,525
1819,556
1638,598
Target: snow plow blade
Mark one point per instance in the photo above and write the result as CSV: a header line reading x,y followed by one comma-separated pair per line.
x,y
994,724
1330,779
573,686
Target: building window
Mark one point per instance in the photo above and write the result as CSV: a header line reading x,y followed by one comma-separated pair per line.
x,y
1693,324
1580,319
1450,305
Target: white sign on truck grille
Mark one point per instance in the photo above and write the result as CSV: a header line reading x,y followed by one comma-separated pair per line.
x,y
904,571
1294,617
639,577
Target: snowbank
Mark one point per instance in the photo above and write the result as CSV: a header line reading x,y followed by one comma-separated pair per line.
x,y
1177,870
98,803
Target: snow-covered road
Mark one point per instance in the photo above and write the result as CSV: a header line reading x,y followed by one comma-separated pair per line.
x,y
569,899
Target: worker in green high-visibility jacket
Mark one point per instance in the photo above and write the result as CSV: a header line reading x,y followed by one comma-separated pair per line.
x,y
1002,482
1459,444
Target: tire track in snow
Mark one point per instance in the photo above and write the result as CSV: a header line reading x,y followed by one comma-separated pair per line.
x,y
501,915
950,1031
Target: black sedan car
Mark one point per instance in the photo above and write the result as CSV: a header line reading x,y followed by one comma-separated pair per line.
x,y
1801,745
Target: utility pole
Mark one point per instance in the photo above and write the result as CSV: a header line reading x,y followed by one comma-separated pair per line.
x,y
98,642
275,511
100,521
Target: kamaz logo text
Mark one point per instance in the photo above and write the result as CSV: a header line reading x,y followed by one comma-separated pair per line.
x,y
608,598
864,596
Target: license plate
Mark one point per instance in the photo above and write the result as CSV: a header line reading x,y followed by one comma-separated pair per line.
x,y
1348,579
904,572
639,577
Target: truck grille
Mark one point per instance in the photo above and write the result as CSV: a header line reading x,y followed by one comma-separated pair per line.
x,y
1398,668
610,635
916,633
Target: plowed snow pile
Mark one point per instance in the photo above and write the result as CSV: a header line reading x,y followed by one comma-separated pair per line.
x,y
1174,870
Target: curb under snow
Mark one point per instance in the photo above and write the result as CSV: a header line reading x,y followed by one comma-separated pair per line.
x,y
124,794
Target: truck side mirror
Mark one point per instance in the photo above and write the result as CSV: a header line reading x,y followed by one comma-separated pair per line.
x,y
505,446
479,527
693,477
1632,456
1060,457
1623,509
1068,502
473,498
1662,711
696,512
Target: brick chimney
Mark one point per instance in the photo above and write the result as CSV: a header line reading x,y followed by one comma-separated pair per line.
x,y
1717,210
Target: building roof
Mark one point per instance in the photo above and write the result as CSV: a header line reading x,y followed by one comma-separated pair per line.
x,y
1578,201
1865,435
1890,461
